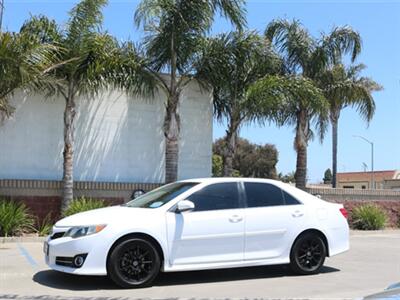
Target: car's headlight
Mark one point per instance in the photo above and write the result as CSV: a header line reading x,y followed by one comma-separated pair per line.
x,y
79,231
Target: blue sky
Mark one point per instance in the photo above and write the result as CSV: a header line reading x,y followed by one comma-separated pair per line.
x,y
379,25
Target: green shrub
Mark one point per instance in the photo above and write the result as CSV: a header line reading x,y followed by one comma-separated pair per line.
x,y
14,218
83,204
398,220
368,217
44,227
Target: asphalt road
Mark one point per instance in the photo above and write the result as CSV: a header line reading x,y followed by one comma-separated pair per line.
x,y
371,265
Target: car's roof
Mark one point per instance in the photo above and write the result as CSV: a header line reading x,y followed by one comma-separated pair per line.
x,y
232,179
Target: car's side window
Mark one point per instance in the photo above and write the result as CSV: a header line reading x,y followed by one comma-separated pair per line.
x,y
216,197
260,194
289,199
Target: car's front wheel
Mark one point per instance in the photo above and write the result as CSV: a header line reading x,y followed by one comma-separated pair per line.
x,y
308,254
133,263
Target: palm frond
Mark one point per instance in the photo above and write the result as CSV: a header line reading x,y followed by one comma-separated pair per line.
x,y
340,41
85,18
230,63
178,28
23,64
293,41
280,98
346,87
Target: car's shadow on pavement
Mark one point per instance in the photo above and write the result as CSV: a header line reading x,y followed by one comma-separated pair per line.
x,y
59,280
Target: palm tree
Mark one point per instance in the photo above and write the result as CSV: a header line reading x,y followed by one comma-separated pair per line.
x,y
345,87
230,64
292,100
24,64
92,61
308,56
174,33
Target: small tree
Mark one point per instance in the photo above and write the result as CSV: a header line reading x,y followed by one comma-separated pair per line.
x,y
217,165
327,176
251,160
288,178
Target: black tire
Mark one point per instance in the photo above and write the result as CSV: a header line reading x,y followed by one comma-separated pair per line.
x,y
308,254
133,263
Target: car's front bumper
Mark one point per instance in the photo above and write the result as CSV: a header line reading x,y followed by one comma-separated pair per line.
x,y
66,247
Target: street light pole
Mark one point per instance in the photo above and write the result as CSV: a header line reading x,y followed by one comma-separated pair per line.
x,y
372,165
372,159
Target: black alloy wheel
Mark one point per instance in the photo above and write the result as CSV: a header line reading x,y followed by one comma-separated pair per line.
x,y
134,263
308,254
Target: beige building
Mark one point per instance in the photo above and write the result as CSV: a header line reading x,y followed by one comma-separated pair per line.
x,y
389,179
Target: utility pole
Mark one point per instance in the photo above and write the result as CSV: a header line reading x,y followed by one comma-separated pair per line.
x,y
1,12
372,160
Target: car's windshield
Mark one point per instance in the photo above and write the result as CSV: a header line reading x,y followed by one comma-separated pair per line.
x,y
161,195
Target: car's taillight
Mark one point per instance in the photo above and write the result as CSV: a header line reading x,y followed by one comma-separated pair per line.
x,y
344,212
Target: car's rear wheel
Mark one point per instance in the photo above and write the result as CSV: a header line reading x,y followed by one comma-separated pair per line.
x,y
133,263
308,254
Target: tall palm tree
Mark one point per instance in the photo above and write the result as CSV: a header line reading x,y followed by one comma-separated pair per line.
x,y
308,56
24,64
298,102
344,87
174,31
92,61
230,63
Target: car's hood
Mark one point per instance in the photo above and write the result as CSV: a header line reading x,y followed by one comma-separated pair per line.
x,y
107,215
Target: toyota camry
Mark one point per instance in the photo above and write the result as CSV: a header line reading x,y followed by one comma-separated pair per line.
x,y
200,224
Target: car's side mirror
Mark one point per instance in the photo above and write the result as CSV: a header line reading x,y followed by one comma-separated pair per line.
x,y
184,205
137,193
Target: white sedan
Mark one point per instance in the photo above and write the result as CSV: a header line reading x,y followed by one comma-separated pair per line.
x,y
200,224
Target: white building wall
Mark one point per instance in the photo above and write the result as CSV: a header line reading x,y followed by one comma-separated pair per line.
x,y
117,138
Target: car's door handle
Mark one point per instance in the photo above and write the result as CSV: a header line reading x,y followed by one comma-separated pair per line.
x,y
297,214
235,219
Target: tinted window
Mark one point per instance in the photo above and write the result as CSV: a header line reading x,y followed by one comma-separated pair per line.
x,y
289,199
216,196
263,194
162,195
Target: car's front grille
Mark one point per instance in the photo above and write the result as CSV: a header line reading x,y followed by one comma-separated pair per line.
x,y
57,235
65,261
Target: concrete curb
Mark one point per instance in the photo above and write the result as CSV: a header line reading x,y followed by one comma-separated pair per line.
x,y
374,232
22,239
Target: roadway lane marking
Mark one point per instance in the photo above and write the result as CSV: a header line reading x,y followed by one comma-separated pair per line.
x,y
27,256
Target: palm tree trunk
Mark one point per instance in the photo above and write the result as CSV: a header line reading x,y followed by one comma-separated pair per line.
x,y
68,153
334,121
301,168
172,121
229,151
301,141
171,132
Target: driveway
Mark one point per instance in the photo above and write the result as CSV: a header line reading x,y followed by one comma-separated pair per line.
x,y
372,264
